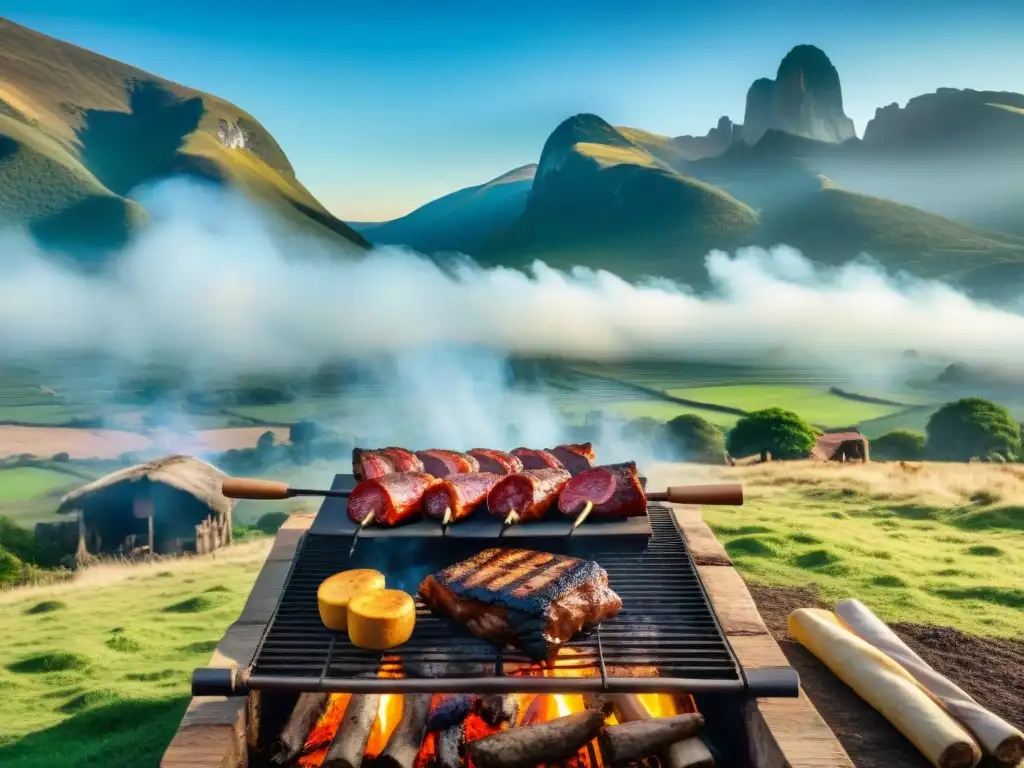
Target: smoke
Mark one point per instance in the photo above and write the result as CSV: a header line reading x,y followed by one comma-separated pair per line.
x,y
213,285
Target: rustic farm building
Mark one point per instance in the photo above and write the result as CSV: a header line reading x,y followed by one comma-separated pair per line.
x,y
171,505
841,446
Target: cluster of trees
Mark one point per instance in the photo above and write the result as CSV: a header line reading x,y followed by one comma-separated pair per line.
x,y
971,428
306,443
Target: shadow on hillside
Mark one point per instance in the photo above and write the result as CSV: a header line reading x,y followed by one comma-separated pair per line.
x,y
123,732
90,229
126,149
8,147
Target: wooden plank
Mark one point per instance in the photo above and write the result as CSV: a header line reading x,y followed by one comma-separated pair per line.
x,y
758,651
735,608
789,733
701,542
205,747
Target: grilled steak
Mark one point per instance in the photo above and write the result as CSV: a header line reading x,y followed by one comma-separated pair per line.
x,y
533,459
392,499
498,462
462,494
534,601
443,463
530,494
576,457
614,490
404,461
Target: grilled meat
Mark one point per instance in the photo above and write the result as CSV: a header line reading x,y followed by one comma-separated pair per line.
x,y
533,459
530,494
441,463
404,461
498,462
534,601
576,457
614,490
369,464
392,499
463,494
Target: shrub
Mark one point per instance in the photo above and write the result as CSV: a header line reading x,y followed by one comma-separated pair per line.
x,y
695,439
774,430
972,427
265,442
270,522
899,445
10,568
61,457
303,432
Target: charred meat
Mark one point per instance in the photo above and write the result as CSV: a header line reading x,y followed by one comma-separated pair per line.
x,y
576,457
498,462
440,463
392,499
534,601
529,494
614,490
534,459
458,496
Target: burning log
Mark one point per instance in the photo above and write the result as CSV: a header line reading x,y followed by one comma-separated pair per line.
x,y
531,745
353,734
290,742
449,711
450,745
498,708
690,753
621,744
407,738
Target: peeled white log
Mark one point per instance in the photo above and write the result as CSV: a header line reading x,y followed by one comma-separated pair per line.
x,y
996,736
887,687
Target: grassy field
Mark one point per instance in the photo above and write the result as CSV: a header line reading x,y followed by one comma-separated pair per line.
x,y
941,545
96,673
29,495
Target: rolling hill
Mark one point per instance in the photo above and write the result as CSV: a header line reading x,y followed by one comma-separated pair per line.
x,y
461,221
79,132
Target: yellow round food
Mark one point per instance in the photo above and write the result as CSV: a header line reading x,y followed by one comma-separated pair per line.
x,y
336,593
381,619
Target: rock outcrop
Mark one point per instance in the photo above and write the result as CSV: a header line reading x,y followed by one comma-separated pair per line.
x,y
717,140
805,99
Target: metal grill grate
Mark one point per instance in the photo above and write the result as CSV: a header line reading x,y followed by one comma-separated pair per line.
x,y
666,637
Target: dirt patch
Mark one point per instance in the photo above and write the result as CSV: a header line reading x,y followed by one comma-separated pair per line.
x,y
111,443
990,670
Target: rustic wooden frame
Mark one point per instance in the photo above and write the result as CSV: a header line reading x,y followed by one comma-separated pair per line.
x,y
216,731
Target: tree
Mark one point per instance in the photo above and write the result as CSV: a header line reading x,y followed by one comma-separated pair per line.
x,y
773,430
266,442
971,427
695,439
899,445
645,433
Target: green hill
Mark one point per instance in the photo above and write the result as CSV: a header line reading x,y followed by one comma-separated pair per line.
x,y
79,132
461,221
601,199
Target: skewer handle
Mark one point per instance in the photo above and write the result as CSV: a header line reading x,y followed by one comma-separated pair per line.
x,y
250,488
730,494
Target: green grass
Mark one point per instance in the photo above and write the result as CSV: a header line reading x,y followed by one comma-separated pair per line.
x,y
101,676
909,561
816,405
29,483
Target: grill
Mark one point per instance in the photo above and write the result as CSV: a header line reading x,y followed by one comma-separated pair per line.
x,y
665,639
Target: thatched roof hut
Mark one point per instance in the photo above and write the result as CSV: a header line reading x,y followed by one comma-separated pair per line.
x,y
841,446
170,505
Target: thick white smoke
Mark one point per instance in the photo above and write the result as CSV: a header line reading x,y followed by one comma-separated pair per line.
x,y
212,284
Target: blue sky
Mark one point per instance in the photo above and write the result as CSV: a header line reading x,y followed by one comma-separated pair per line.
x,y
383,106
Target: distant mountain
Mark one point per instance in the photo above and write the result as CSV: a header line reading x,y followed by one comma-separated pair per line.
x,y
714,143
80,132
805,99
596,191
461,221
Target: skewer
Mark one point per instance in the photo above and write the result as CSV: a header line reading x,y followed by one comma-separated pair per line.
x,y
355,538
511,519
447,517
587,509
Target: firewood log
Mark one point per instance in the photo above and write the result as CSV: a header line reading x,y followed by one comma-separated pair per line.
x,y
450,745
621,744
498,708
307,711
449,711
407,738
349,743
531,745
690,753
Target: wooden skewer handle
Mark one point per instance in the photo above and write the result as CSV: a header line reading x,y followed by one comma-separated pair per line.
x,y
726,494
249,488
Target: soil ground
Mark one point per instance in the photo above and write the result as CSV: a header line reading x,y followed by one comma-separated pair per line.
x,y
990,670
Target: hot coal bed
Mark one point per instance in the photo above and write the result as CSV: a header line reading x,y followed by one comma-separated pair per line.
x,y
317,700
